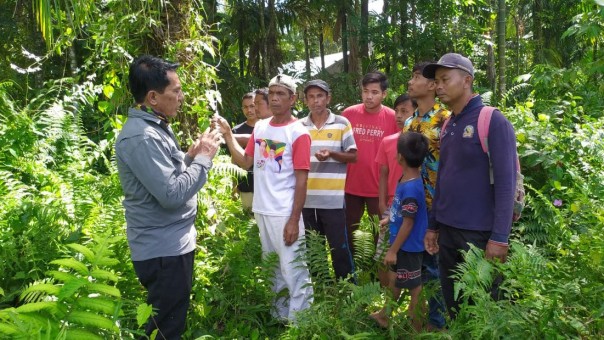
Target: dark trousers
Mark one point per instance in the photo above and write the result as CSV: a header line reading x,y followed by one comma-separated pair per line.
x,y
431,276
355,207
168,281
451,241
332,224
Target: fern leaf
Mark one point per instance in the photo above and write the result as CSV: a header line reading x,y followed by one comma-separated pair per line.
x,y
83,250
98,304
105,289
61,276
7,329
33,292
92,320
70,288
104,275
73,264
106,261
37,306
78,334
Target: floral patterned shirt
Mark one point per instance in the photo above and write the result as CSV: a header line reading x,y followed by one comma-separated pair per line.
x,y
429,125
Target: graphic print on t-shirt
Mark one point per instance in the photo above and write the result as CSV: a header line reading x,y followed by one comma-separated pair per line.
x,y
368,132
270,154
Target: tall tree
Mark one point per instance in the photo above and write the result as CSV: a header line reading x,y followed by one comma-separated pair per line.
x,y
364,32
501,24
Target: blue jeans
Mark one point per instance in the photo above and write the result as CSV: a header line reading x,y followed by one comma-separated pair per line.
x,y
431,274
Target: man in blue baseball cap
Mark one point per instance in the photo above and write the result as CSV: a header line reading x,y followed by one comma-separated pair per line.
x,y
470,206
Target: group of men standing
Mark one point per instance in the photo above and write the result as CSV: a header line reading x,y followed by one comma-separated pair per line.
x,y
318,173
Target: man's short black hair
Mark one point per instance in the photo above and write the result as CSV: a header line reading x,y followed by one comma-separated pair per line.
x,y
249,95
421,66
413,147
148,73
403,98
376,77
263,92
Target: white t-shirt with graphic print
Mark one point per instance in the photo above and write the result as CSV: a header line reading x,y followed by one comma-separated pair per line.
x,y
278,150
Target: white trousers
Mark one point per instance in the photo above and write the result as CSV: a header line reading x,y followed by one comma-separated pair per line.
x,y
291,273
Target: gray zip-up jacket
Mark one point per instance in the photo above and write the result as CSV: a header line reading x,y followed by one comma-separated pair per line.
x,y
160,184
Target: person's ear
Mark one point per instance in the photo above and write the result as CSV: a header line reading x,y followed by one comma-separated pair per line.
x,y
152,97
431,85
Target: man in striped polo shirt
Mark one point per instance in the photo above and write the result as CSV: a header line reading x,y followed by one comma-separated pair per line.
x,y
332,147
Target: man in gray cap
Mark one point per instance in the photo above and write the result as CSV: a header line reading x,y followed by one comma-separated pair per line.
x,y
332,147
279,150
469,206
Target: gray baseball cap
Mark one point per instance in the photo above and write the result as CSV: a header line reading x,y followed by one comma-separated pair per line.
x,y
284,80
317,83
449,60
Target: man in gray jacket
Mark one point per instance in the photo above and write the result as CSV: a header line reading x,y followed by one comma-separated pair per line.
x,y
160,184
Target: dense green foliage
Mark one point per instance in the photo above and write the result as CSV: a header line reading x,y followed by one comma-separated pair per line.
x,y
65,260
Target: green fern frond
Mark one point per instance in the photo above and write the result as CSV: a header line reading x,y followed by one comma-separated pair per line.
x,y
61,275
92,320
70,288
38,291
314,253
223,166
83,250
72,263
98,304
104,275
509,93
78,334
8,329
103,288
364,250
37,306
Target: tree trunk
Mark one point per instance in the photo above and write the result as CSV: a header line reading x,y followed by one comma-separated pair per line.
x,y
403,32
537,32
354,66
501,20
272,41
491,63
387,52
262,50
344,38
364,36
518,24
307,53
414,34
322,49
242,58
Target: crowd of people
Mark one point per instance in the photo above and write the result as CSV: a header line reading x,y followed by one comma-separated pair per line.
x,y
419,169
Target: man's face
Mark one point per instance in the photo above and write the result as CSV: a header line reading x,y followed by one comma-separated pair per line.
x,y
280,100
373,96
451,84
403,111
261,107
317,100
248,108
171,99
420,86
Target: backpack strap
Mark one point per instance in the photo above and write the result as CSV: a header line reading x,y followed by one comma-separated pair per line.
x,y
484,122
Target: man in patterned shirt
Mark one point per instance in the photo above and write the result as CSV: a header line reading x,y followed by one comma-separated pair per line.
x,y
428,120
